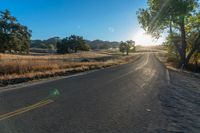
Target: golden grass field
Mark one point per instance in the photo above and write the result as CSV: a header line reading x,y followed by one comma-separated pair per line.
x,y
13,67
53,56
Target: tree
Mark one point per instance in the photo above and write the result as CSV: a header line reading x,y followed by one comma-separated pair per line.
x,y
13,36
72,44
127,46
131,44
77,43
122,47
173,15
62,46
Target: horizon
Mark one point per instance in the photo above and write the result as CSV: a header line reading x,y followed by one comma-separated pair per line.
x,y
113,20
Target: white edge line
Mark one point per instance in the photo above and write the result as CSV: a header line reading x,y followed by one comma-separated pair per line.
x,y
29,84
167,76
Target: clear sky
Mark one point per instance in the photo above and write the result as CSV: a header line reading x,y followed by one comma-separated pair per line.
x,y
112,20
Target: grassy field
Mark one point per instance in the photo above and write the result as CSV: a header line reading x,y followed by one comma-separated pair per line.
x,y
21,68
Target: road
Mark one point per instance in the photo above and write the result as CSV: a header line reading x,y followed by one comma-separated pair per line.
x,y
122,99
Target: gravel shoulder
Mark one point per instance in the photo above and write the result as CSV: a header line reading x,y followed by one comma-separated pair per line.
x,y
181,102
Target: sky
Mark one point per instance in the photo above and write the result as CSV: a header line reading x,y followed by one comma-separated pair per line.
x,y
111,20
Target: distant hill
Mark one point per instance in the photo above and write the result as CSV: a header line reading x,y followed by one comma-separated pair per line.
x,y
51,44
99,44
45,44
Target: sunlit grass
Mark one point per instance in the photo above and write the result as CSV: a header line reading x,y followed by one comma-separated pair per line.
x,y
53,56
18,66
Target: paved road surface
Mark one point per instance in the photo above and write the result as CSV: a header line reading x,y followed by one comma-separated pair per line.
x,y
122,99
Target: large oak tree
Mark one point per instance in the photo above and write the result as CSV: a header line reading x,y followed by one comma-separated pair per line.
x,y
71,44
176,16
14,37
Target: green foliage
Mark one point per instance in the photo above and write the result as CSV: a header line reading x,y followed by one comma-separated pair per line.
x,y
72,44
126,47
14,37
161,13
180,18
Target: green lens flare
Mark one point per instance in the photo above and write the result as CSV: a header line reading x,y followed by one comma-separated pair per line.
x,y
54,93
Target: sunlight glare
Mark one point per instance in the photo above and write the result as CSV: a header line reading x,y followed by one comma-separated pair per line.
x,y
141,38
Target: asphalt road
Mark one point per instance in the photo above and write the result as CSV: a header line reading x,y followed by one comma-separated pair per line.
x,y
122,99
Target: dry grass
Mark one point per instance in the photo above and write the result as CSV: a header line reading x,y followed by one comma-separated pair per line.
x,y
26,69
52,57
21,64
14,67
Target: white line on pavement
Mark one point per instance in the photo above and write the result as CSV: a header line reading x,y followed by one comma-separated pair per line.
x,y
167,76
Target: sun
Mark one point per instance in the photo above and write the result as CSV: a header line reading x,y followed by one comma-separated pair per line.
x,y
141,38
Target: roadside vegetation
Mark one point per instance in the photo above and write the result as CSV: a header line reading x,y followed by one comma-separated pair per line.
x,y
180,21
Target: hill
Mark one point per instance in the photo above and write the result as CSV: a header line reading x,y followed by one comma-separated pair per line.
x,y
50,44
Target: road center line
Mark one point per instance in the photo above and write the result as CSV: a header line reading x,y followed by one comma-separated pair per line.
x,y
25,109
167,76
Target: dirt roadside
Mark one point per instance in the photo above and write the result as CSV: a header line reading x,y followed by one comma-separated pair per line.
x,y
181,101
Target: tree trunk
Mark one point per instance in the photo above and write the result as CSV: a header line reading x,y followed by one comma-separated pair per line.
x,y
127,51
173,40
183,61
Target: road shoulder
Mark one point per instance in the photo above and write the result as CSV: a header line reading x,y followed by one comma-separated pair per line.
x,y
180,100
181,104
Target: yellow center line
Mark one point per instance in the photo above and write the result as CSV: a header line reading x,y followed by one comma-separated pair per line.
x,y
25,109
